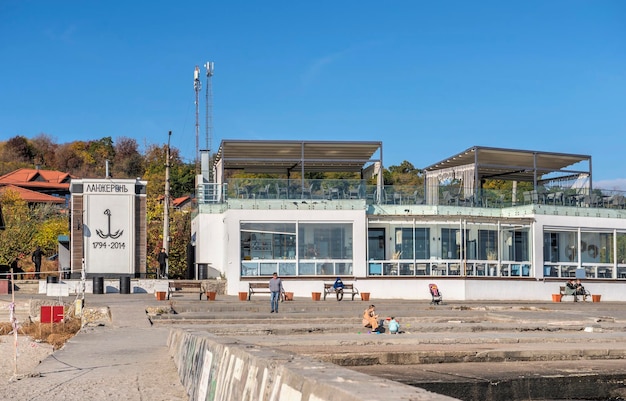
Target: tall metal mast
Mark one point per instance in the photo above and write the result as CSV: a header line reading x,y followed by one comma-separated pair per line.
x,y
197,85
166,205
209,113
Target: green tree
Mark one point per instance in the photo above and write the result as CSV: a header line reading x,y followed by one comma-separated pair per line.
x,y
180,231
182,178
17,238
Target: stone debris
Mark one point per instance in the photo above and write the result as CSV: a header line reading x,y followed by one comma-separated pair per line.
x,y
100,316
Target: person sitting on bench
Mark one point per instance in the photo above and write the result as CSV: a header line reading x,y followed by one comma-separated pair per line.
x,y
571,289
580,290
338,287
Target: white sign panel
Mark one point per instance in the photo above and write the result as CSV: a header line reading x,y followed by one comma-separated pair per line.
x,y
109,228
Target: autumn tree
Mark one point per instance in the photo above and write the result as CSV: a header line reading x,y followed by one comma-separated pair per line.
x,y
44,150
18,149
69,158
127,162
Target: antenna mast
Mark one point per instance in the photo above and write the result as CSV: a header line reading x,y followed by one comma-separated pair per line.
x,y
209,113
197,85
166,205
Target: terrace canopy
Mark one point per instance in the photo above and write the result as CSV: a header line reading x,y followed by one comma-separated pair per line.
x,y
478,163
286,157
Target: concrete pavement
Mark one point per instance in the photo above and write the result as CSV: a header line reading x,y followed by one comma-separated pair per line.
x,y
460,349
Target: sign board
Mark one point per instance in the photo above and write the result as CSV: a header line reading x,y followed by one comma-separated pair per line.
x,y
108,230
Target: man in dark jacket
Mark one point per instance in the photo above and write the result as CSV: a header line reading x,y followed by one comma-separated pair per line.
x,y
162,259
36,258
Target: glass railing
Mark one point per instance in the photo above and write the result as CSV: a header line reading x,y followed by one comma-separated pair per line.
x,y
448,267
260,189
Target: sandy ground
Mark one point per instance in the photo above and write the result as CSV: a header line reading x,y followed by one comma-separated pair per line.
x,y
29,356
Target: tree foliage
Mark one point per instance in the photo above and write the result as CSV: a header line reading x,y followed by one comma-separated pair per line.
x,y
41,225
27,227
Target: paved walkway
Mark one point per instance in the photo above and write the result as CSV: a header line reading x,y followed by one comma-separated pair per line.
x,y
128,358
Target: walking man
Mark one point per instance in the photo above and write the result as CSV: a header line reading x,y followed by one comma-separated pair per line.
x,y
162,259
276,288
36,258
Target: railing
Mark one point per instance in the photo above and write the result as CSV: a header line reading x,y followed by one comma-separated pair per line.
x,y
595,270
448,267
259,189
303,267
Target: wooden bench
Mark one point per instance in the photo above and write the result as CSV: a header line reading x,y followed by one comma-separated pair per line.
x,y
190,286
563,294
348,288
258,288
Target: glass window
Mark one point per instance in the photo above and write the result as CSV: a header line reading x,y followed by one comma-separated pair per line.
x,y
560,246
422,243
267,248
596,247
306,269
376,244
515,244
268,241
450,243
325,241
488,244
621,248
412,243
287,269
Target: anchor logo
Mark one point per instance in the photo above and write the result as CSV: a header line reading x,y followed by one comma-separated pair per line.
x,y
114,235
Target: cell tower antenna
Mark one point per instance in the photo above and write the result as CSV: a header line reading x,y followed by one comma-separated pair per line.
x,y
197,86
209,112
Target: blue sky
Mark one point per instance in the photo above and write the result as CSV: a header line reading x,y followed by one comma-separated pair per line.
x,y
428,78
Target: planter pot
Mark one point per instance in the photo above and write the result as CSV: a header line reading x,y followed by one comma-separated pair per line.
x,y
288,296
365,296
243,296
160,295
556,297
210,295
316,296
596,298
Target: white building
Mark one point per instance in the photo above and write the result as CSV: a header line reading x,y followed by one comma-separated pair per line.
x,y
392,241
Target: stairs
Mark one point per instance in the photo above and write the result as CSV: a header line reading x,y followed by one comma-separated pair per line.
x,y
27,286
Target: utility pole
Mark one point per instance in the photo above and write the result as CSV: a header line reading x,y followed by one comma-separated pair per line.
x,y
166,206
209,114
197,86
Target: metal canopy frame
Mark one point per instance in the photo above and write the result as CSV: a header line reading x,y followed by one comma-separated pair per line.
x,y
479,163
285,157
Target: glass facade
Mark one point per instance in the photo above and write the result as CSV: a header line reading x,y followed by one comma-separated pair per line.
x,y
395,249
296,249
583,254
466,248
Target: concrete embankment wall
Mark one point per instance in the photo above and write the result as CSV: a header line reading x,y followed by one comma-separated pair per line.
x,y
222,369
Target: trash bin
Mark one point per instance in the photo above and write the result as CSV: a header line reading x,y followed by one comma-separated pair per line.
x,y
98,285
124,284
52,279
203,271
